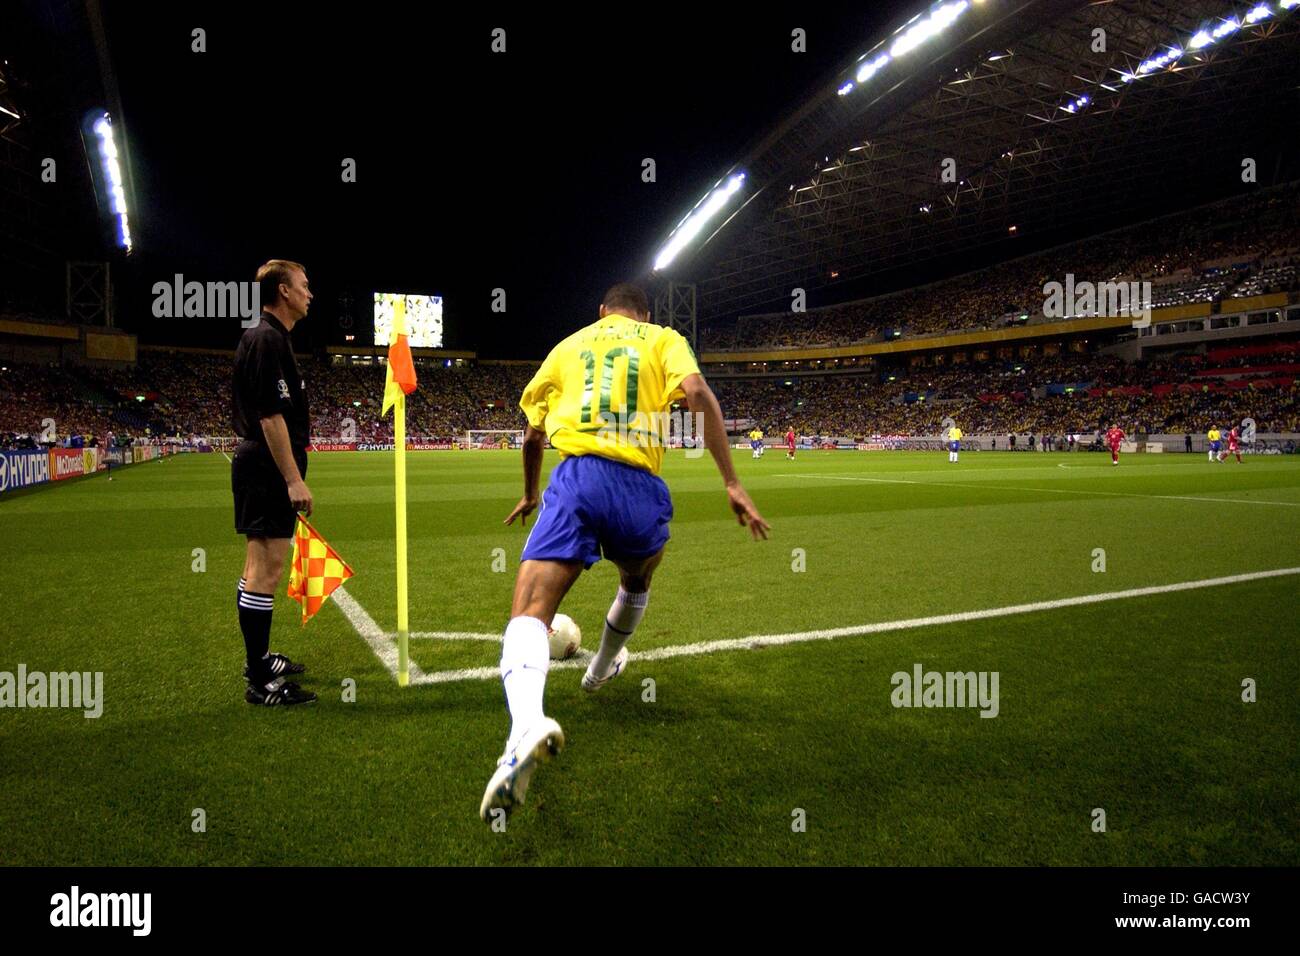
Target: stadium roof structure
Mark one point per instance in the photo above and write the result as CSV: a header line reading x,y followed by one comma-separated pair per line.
x,y
1054,128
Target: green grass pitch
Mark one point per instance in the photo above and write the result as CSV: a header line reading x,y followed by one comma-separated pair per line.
x,y
1133,706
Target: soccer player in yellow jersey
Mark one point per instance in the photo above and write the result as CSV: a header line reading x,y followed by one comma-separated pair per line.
x,y
1214,436
954,442
602,397
756,442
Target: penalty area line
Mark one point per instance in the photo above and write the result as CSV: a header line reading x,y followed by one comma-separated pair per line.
x,y
1050,491
757,641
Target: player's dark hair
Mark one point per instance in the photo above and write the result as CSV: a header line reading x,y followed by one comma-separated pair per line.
x,y
626,299
271,274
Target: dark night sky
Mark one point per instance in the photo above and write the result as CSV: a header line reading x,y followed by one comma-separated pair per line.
x,y
475,170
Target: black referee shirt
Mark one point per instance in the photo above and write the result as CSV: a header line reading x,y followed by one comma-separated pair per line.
x,y
267,382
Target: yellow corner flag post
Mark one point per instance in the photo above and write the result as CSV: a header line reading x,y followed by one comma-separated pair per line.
x,y
400,382
399,457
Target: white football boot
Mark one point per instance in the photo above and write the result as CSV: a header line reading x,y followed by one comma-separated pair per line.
x,y
509,785
591,683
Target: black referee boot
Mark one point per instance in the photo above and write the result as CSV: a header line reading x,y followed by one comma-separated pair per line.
x,y
277,665
278,692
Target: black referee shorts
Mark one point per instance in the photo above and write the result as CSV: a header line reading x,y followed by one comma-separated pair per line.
x,y
262,506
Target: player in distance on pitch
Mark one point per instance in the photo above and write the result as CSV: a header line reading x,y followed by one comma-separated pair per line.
x,y
1114,438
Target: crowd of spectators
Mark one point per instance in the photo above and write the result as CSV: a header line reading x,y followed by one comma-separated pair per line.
x,y
173,394
1056,396
1245,247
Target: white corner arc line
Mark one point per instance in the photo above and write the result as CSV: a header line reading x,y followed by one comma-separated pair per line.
x,y
579,659
756,641
373,634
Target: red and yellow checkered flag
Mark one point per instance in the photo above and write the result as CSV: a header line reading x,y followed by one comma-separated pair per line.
x,y
316,569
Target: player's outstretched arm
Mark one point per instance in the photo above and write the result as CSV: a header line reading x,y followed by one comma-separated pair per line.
x,y
534,445
701,401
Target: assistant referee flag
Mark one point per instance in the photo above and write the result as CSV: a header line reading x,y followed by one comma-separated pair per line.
x,y
315,571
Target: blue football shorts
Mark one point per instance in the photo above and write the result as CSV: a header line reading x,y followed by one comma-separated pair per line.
x,y
593,505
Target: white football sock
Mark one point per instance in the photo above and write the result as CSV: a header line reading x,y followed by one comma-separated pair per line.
x,y
623,617
525,655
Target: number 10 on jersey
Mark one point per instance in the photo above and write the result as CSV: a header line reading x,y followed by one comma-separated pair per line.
x,y
607,383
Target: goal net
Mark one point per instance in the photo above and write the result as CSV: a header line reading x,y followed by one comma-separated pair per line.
x,y
494,438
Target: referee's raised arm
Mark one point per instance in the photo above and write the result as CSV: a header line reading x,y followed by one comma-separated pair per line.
x,y
268,472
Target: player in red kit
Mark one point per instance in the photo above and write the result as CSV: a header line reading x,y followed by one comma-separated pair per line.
x,y
1113,437
1234,445
789,444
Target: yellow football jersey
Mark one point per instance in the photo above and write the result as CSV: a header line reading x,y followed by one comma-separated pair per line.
x,y
1212,434
608,390
954,433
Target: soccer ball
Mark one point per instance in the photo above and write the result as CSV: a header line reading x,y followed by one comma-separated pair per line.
x,y
566,637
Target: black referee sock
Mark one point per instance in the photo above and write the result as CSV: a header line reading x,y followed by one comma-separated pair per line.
x,y
255,623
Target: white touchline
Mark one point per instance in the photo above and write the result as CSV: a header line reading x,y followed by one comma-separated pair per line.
x,y
1050,491
386,650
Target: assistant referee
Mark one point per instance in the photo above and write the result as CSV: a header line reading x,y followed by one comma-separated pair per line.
x,y
269,404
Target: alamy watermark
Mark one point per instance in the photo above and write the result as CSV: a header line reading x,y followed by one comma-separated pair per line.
x,y
75,908
80,690
179,299
922,688
1081,299
670,429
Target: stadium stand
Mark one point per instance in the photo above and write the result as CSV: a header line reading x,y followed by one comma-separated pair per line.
x,y
1228,251
1239,248
174,395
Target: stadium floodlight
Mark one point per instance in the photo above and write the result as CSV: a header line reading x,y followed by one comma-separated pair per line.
x,y
1201,40
846,89
1261,12
1290,4
690,227
872,67
940,18
112,172
1231,25
1170,56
